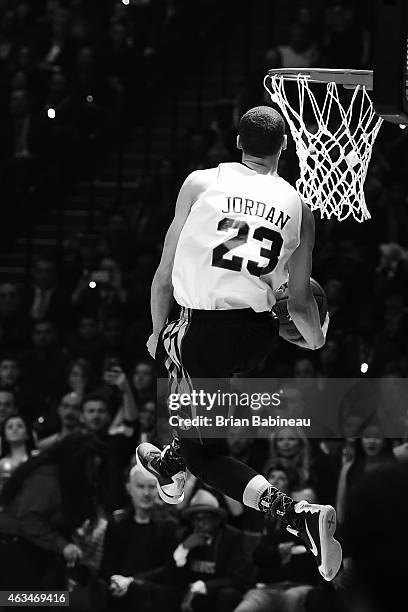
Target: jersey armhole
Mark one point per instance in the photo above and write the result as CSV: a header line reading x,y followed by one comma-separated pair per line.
x,y
209,186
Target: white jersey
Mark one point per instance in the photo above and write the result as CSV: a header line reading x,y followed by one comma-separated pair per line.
x,y
235,245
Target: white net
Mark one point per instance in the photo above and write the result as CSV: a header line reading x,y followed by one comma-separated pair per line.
x,y
334,135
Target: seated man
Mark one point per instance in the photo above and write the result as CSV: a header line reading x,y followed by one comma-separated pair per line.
x,y
209,564
138,543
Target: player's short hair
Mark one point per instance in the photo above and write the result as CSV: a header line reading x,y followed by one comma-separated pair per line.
x,y
261,131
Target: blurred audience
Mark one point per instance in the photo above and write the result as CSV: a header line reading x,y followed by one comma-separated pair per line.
x,y
36,530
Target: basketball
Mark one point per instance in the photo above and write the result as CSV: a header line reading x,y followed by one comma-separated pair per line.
x,y
286,326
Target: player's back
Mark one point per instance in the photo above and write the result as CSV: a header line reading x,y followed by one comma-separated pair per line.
x,y
237,240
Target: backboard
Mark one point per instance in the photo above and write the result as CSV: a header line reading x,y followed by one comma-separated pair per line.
x,y
390,85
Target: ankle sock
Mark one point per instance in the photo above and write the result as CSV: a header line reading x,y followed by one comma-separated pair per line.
x,y
254,490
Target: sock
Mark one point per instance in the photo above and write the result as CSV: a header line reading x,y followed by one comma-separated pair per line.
x,y
254,490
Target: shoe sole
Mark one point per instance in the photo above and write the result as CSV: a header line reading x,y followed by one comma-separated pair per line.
x,y
331,552
169,499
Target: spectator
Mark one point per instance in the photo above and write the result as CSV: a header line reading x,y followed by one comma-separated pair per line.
x,y
115,378
8,36
24,149
138,544
331,363
377,577
36,530
114,340
337,305
9,374
304,367
79,377
46,300
148,422
34,79
101,292
84,252
210,568
96,417
62,125
16,445
344,42
300,52
68,417
358,346
14,324
10,380
121,59
95,414
280,475
57,49
292,449
143,381
119,241
371,452
86,343
43,368
7,405
388,342
250,451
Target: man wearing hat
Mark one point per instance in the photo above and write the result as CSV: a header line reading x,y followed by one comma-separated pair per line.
x,y
209,563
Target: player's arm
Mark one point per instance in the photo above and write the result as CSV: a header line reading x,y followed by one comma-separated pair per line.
x,y
161,296
302,306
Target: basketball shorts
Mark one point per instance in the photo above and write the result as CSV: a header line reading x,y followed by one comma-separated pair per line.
x,y
213,344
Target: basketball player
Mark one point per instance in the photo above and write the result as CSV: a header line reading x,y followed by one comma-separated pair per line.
x,y
239,232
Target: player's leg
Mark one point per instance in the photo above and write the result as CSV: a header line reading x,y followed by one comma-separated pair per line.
x,y
315,524
206,459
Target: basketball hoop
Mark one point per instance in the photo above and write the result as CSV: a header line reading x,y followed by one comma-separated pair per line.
x,y
334,132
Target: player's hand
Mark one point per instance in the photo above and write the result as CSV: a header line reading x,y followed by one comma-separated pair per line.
x,y
300,342
151,345
72,553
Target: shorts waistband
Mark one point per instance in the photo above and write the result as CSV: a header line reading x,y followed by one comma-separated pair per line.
x,y
233,314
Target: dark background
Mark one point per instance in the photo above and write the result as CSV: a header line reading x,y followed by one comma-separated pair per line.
x,y
142,95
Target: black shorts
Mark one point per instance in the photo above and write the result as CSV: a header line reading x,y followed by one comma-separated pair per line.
x,y
213,344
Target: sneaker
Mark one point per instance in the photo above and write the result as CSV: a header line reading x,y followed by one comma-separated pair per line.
x,y
315,525
167,466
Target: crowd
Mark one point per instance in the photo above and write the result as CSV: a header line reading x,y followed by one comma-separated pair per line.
x,y
77,387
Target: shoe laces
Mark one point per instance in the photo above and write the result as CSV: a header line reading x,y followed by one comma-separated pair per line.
x,y
171,458
280,505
